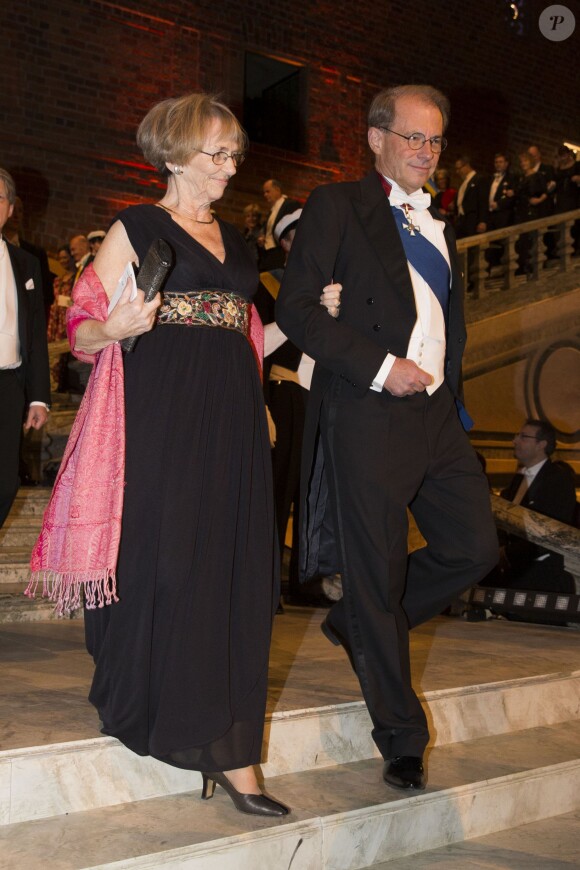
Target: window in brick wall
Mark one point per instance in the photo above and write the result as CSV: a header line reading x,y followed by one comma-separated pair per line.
x,y
275,102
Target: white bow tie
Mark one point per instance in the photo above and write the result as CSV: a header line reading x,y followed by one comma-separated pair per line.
x,y
417,200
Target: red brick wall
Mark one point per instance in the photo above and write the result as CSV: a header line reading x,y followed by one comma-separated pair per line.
x,y
78,75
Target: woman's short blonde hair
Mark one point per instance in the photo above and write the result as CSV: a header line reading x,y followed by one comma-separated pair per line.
x,y
174,129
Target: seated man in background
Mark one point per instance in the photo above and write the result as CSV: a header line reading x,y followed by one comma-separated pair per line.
x,y
547,488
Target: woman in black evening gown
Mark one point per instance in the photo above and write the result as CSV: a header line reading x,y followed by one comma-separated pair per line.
x,y
182,658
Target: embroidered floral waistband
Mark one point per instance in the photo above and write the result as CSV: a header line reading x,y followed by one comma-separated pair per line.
x,y
205,308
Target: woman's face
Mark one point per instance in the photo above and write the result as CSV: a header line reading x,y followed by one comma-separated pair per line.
x,y
251,220
64,259
525,162
202,178
441,180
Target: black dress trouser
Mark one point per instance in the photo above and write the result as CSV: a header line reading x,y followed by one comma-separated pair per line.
x,y
11,416
382,455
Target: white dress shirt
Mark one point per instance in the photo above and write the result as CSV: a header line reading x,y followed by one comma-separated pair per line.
x,y
427,342
497,179
9,339
270,241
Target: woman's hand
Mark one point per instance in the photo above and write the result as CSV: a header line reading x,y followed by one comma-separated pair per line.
x,y
330,298
126,319
130,318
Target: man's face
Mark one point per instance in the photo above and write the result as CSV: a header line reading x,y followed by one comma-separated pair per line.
x,y
271,193
462,169
527,449
410,169
500,164
534,153
79,246
5,207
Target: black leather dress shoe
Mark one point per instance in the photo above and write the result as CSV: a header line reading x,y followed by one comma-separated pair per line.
x,y
405,771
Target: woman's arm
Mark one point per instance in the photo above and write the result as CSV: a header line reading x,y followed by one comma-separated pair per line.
x,y
127,318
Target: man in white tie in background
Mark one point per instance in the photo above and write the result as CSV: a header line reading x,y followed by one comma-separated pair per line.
x,y
24,373
383,429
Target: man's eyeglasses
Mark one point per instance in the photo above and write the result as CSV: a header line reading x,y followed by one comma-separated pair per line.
x,y
417,140
521,435
220,157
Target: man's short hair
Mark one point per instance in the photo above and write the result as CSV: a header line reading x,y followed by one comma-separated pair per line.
x,y
501,154
383,107
9,185
464,159
274,182
544,432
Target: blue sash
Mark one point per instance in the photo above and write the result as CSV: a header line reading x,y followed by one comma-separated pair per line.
x,y
432,266
426,259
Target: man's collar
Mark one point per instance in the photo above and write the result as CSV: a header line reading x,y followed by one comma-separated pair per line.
x,y
533,469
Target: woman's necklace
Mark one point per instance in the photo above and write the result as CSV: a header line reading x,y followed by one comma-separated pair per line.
x,y
172,211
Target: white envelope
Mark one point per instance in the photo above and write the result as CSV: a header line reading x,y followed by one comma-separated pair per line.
x,y
30,284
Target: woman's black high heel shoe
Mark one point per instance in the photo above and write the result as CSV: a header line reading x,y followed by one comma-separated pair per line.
x,y
256,804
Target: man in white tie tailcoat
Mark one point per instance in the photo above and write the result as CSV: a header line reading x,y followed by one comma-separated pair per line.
x,y
24,372
383,429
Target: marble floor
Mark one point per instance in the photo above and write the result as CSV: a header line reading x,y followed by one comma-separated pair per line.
x,y
551,844
45,672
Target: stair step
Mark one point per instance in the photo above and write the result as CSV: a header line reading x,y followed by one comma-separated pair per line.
x,y
343,817
19,534
544,845
14,566
45,779
30,500
17,607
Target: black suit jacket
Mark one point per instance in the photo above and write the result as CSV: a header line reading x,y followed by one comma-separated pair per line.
x,y
474,206
34,371
503,215
552,493
47,278
347,234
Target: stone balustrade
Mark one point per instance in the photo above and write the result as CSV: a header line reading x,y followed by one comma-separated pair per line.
x,y
539,529
483,277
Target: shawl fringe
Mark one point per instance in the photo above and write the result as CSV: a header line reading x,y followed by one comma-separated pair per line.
x,y
66,589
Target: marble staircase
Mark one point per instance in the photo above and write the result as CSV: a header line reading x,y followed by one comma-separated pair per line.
x,y
505,753
17,538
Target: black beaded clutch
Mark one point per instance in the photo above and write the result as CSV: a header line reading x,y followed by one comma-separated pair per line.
x,y
153,271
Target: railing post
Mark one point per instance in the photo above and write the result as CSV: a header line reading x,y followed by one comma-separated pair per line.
x,y
565,245
510,262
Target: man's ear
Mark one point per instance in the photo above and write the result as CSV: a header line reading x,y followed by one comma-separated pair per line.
x,y
374,135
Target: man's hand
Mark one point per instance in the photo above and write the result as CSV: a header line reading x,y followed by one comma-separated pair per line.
x,y
406,378
131,318
481,227
36,417
330,298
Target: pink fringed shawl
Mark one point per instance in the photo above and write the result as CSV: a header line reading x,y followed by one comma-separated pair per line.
x,y
78,545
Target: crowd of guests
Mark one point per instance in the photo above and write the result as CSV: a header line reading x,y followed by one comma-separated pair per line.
x,y
482,202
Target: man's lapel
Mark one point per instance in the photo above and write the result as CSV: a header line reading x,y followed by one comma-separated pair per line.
x,y
379,225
